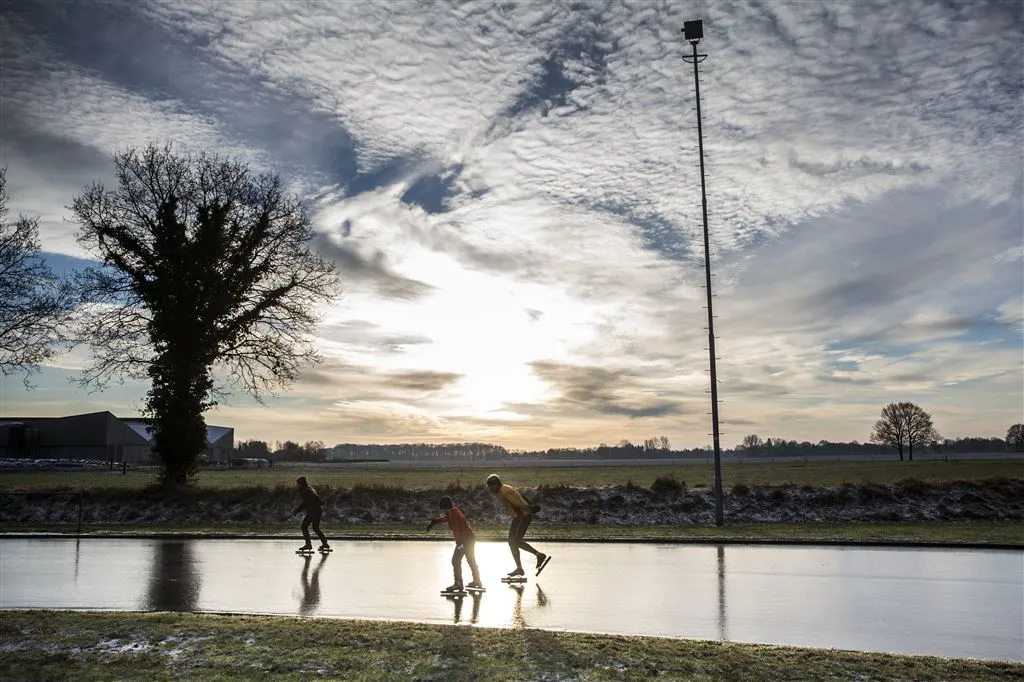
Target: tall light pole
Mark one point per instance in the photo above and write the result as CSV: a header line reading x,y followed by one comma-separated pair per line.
x,y
693,31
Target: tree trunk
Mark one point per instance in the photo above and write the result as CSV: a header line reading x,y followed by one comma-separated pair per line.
x,y
177,400
910,451
900,447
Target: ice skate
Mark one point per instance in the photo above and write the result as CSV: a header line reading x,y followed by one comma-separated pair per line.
x,y
516,576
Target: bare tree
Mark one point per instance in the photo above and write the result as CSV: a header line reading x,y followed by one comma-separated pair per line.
x,y
314,451
751,443
1015,438
904,425
663,443
207,266
35,304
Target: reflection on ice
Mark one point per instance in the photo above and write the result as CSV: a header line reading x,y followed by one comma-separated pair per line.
x,y
458,601
174,582
723,630
311,584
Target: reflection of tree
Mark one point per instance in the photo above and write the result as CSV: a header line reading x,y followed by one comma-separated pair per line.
x,y
174,583
311,585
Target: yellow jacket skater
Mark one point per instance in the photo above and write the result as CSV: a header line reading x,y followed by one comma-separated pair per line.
x,y
521,511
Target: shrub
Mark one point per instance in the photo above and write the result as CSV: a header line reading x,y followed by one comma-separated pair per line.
x,y
664,484
377,488
741,489
913,486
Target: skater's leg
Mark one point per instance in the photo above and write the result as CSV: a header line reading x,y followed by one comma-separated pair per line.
x,y
471,558
305,530
513,541
460,551
316,529
527,547
523,544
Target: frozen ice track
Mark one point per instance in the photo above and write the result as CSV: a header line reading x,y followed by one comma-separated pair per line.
x,y
962,603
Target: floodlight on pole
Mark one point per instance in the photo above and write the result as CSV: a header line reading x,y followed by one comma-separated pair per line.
x,y
693,32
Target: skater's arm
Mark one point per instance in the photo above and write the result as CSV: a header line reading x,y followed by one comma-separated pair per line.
x,y
434,521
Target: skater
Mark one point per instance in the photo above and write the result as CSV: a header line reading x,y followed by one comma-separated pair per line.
x,y
465,544
521,511
314,507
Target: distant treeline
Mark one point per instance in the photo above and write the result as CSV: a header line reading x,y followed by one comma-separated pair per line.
x,y
780,447
651,449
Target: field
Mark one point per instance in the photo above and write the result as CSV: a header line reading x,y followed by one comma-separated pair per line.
x,y
165,646
830,473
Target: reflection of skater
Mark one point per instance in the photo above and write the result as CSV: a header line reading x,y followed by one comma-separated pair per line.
x,y
314,507
311,586
518,618
465,544
457,601
521,511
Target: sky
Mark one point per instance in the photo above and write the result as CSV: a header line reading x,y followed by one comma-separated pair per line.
x,y
511,195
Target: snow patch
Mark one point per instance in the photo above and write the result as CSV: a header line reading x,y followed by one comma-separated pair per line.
x,y
115,646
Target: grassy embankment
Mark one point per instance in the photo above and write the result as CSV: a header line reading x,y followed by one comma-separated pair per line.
x,y
164,646
829,473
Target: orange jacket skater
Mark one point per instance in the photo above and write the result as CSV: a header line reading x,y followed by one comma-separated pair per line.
x,y
521,511
465,544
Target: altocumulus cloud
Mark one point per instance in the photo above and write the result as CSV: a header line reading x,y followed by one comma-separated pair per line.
x,y
510,193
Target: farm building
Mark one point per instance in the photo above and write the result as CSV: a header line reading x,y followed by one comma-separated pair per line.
x,y
96,436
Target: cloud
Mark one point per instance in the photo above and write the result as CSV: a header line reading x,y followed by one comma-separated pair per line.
x,y
427,382
372,270
601,390
512,197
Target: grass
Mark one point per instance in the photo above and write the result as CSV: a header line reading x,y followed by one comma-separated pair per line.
x,y
828,473
971,532
164,646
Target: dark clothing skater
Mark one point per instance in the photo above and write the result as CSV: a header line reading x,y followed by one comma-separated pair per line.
x,y
465,544
314,507
521,511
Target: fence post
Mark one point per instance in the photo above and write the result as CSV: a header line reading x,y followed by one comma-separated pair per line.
x,y
80,494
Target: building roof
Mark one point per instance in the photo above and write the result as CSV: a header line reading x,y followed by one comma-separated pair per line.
x,y
140,425
144,428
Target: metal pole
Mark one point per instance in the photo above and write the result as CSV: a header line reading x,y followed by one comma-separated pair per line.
x,y
719,520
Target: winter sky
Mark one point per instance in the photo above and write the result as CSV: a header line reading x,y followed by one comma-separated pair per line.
x,y
512,197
